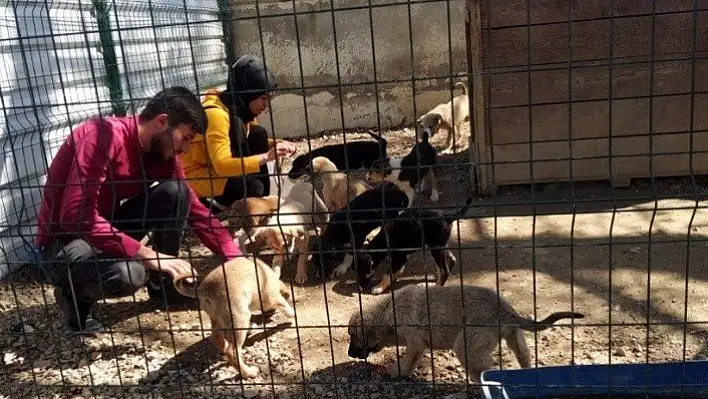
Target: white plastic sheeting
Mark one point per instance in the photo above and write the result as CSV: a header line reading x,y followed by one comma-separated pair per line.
x,y
52,77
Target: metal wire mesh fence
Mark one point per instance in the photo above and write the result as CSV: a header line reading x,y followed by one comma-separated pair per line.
x,y
572,183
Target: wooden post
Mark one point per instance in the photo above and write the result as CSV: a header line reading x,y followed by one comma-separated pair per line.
x,y
473,28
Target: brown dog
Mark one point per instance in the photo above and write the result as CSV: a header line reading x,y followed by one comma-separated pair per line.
x,y
228,295
441,117
337,188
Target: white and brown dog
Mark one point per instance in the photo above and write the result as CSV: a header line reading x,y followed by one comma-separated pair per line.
x,y
448,116
299,214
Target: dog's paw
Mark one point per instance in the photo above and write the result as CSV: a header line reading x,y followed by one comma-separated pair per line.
x,y
339,271
393,371
434,196
377,290
301,278
289,312
253,329
343,267
248,372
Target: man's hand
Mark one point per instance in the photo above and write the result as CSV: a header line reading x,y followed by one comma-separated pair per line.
x,y
174,267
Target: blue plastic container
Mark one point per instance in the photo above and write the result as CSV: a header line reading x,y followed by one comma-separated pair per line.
x,y
630,381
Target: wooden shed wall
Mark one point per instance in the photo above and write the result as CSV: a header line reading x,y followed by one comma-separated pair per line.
x,y
563,98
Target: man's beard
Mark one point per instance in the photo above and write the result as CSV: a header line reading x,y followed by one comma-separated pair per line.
x,y
158,145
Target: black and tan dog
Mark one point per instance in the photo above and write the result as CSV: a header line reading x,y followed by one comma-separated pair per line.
x,y
350,156
412,230
411,172
350,226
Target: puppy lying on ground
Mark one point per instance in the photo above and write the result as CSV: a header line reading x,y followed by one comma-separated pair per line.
x,y
349,227
410,173
300,212
229,295
411,231
338,189
353,155
473,345
441,117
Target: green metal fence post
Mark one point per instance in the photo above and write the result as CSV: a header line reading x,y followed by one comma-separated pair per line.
x,y
225,17
109,56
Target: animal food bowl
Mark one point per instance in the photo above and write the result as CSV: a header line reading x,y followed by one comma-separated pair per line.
x,y
625,381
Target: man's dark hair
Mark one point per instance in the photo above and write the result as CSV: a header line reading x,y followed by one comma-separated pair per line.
x,y
181,106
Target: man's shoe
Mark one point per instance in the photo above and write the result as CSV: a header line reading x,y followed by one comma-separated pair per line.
x,y
81,322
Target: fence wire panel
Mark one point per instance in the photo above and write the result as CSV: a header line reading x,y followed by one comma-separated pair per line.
x,y
553,246
52,78
166,43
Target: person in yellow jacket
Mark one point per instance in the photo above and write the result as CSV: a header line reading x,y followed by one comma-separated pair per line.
x,y
229,162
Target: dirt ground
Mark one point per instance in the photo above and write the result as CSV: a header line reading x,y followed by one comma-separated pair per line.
x,y
622,257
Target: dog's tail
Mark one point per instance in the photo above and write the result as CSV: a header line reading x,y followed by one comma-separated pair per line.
x,y
461,212
530,325
461,85
186,285
377,137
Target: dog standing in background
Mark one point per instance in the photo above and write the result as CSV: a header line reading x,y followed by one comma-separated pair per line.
x,y
448,116
411,173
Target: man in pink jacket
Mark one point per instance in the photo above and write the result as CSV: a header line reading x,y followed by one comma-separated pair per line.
x,y
89,238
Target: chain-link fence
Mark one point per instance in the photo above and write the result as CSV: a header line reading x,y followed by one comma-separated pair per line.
x,y
572,183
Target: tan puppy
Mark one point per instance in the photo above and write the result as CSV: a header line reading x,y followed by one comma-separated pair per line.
x,y
337,188
473,345
229,294
301,212
441,117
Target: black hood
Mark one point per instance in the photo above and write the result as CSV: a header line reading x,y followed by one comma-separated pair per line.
x,y
248,79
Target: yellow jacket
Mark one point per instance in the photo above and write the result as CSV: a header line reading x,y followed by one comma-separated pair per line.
x,y
208,162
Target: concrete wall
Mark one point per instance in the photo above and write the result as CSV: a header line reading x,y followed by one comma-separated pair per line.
x,y
274,31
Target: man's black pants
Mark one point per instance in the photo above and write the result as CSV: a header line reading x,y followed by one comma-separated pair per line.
x,y
89,275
